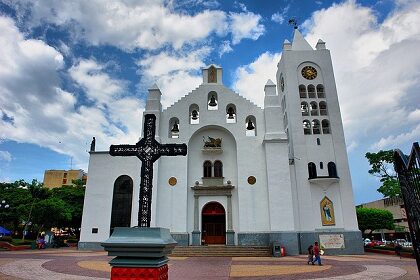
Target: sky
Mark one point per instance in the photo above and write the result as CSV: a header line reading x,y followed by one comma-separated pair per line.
x,y
71,70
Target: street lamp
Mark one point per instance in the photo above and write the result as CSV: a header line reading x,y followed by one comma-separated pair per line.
x,y
3,206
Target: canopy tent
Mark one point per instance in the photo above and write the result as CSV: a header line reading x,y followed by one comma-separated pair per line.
x,y
4,231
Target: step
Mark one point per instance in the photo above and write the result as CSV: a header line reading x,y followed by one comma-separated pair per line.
x,y
222,251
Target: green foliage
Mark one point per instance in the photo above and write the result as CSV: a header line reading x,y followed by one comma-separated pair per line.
x,y
374,219
42,207
50,212
78,183
382,166
73,197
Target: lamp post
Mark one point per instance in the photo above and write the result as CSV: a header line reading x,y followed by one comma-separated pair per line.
x,y
3,207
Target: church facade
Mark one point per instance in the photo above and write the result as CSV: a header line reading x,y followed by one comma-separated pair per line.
x,y
252,176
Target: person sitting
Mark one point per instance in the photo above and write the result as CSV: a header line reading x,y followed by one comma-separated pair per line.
x,y
40,242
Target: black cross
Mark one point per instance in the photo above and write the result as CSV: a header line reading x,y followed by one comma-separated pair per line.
x,y
148,150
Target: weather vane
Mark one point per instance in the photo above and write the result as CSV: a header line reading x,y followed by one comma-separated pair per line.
x,y
293,22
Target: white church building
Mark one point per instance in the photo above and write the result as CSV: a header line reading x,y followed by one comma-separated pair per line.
x,y
252,175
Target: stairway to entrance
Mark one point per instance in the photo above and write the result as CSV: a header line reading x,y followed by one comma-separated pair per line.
x,y
221,251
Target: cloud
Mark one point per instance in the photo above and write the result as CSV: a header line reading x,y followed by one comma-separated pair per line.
x,y
126,24
168,69
245,25
250,79
225,48
5,156
279,17
34,108
393,141
377,65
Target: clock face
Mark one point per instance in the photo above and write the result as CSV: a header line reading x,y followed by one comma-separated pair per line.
x,y
282,83
308,72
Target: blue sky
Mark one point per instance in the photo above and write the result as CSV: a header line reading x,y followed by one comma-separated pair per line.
x,y
70,70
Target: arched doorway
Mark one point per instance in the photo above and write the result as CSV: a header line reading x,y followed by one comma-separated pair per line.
x,y
121,202
213,221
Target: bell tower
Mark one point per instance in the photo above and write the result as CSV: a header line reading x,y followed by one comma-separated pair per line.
x,y
318,160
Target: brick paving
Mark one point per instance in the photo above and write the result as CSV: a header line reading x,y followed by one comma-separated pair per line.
x,y
70,264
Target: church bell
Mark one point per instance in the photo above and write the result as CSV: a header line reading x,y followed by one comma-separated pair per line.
x,y
212,101
250,125
230,113
175,128
194,115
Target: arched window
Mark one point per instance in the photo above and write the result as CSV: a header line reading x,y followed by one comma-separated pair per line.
x,y
316,127
314,108
304,108
121,202
326,127
194,114
332,170
207,169
302,91
231,113
311,91
306,127
218,168
312,170
320,91
323,108
212,103
173,128
250,126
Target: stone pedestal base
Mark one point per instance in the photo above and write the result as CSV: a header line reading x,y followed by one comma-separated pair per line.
x,y
230,237
137,273
196,238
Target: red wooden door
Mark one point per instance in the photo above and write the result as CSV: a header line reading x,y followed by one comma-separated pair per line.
x,y
214,224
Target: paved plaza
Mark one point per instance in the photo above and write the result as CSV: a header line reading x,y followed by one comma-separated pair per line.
x,y
78,265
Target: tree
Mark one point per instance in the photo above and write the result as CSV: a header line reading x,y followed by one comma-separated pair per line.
x,y
73,197
374,219
50,212
382,166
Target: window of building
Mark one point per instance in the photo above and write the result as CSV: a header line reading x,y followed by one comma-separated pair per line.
x,y
64,181
207,169
65,175
314,108
316,127
194,114
304,108
231,113
323,108
332,170
306,127
302,91
250,126
311,91
318,141
212,103
321,165
326,127
173,128
218,169
320,91
312,170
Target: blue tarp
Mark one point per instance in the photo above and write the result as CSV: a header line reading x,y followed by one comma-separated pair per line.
x,y
4,231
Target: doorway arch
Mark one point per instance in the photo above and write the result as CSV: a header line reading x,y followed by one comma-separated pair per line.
x,y
213,223
121,202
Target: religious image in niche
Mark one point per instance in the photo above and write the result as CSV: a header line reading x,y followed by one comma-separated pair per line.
x,y
327,212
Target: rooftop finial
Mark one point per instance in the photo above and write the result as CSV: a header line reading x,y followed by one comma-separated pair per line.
x,y
293,22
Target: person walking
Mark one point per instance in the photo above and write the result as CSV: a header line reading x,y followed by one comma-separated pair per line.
x,y
310,254
316,254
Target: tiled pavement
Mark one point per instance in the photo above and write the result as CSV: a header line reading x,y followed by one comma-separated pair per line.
x,y
86,265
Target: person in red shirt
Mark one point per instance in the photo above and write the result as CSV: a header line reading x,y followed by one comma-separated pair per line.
x,y
316,254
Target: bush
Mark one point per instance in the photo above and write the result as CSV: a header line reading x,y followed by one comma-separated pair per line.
x,y
72,240
6,238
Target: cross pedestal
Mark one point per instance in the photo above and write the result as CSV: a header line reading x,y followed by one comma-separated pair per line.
x,y
141,252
